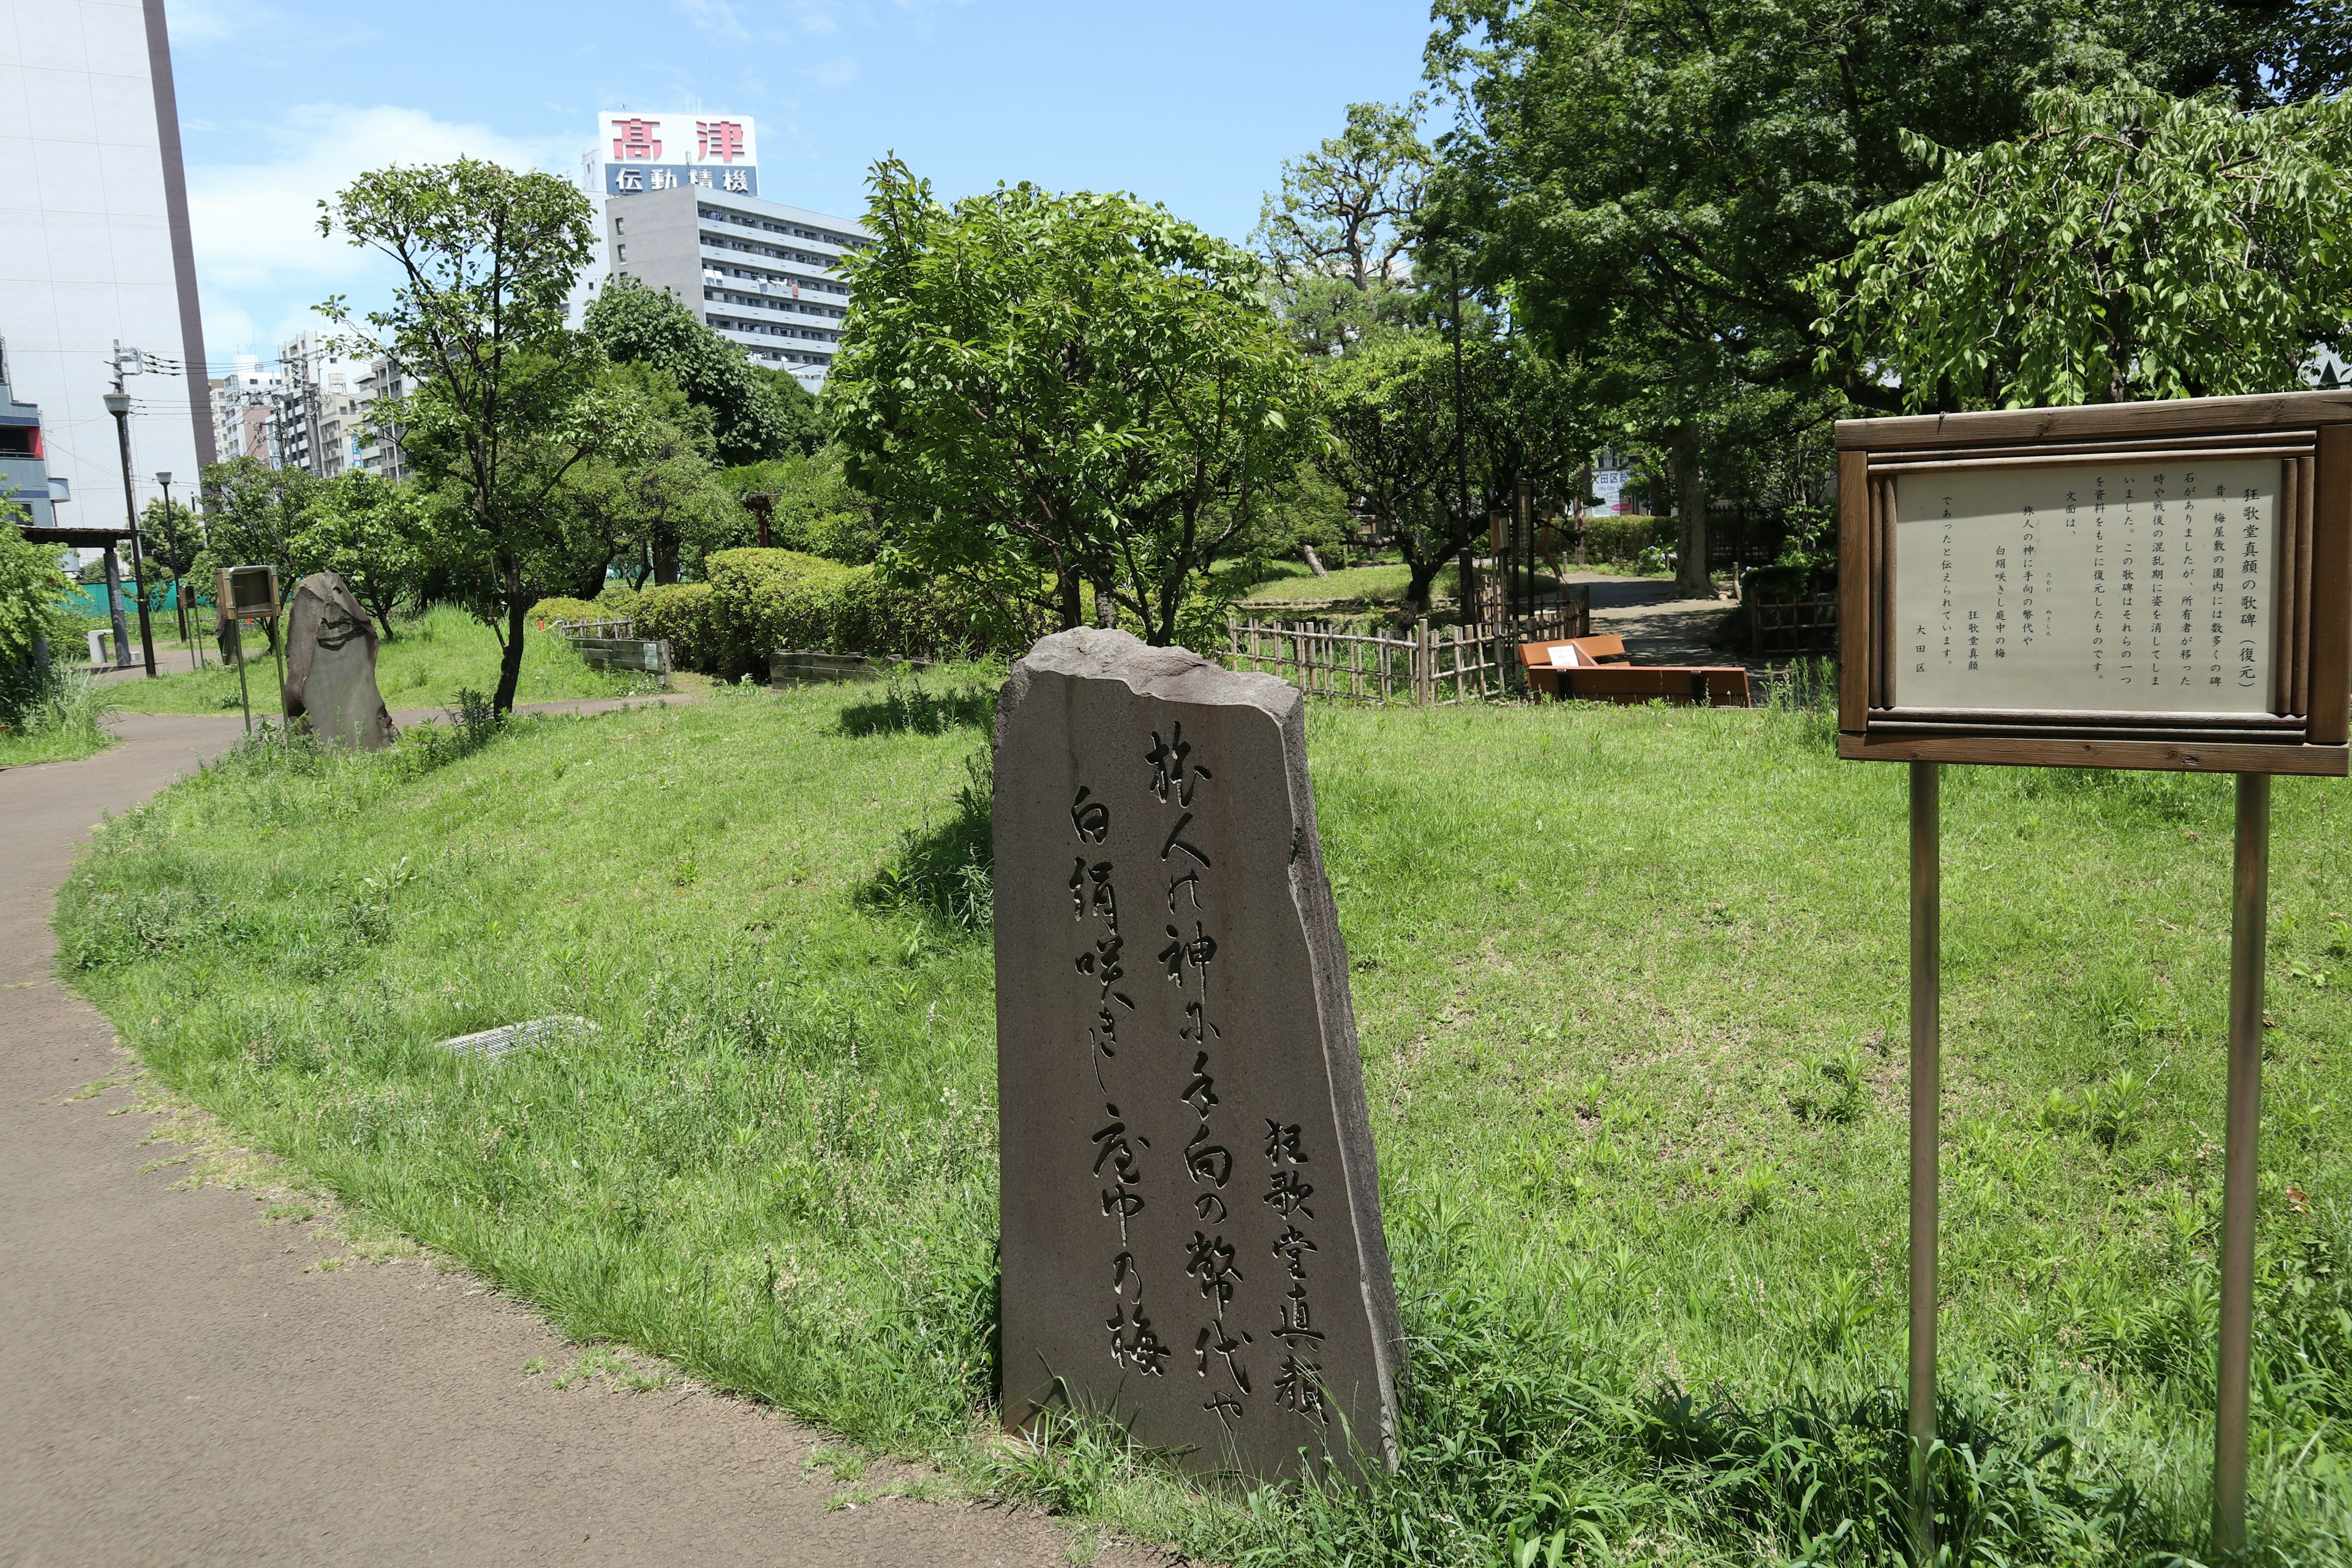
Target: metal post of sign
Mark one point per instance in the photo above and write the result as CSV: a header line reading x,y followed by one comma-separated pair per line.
x,y
244,693
277,657
2249,916
1927,1085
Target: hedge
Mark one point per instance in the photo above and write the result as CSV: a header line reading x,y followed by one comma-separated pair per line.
x,y
1618,540
680,612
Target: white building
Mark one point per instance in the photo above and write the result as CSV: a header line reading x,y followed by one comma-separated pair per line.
x,y
95,252
242,405
682,211
307,423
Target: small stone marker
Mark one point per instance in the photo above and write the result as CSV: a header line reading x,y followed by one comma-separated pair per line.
x,y
1192,1221
507,1039
331,666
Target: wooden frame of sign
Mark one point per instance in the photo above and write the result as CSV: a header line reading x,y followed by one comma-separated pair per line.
x,y
234,598
2126,585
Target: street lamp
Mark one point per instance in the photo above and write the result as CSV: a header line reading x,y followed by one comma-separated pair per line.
x,y
119,404
179,588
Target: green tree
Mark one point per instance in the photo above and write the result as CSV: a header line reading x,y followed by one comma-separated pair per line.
x,y
813,506
756,412
1337,235
33,620
1392,407
2129,244
1654,183
509,405
371,532
254,513
172,543
1075,386
658,499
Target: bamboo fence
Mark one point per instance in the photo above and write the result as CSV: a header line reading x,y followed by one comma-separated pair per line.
x,y
1422,664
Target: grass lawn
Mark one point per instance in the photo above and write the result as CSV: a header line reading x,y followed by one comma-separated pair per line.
x,y
1378,584
53,745
1631,988
434,655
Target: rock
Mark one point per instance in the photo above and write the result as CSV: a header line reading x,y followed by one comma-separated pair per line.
x,y
507,1039
330,667
1191,1223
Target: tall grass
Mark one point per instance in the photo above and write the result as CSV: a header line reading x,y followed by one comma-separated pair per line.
x,y
64,721
1631,989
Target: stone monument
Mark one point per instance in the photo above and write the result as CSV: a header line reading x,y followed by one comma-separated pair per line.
x,y
331,666
1192,1221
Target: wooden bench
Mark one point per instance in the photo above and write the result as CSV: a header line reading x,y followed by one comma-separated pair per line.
x,y
1604,674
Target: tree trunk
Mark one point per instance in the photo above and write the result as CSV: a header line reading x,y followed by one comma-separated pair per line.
x,y
1422,584
510,657
666,551
1066,595
1691,579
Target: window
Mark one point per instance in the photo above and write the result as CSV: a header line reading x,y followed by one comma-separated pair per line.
x,y
620,253
620,226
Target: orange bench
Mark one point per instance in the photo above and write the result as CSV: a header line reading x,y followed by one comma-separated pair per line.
x,y
1602,673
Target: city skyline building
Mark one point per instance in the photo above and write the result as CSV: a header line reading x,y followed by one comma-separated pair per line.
x,y
96,258
681,210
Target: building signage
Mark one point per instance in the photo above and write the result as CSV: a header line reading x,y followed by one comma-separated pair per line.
x,y
644,150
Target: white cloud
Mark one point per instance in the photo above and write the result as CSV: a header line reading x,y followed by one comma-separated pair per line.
x,y
192,21
839,71
717,17
259,256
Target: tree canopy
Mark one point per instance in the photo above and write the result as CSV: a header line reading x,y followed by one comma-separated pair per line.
x,y
2129,245
756,413
1082,388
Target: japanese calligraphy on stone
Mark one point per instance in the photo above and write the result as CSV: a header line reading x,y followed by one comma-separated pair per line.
x,y
1190,1213
2131,588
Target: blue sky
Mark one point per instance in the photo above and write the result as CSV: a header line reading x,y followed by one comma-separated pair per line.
x,y
1196,105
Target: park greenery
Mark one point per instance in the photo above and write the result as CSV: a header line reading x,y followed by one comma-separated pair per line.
x,y
1632,1009
1636,1070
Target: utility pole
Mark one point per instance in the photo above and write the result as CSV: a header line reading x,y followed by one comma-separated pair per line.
x,y
117,403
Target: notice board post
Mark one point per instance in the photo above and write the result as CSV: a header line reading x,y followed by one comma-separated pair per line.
x,y
2161,585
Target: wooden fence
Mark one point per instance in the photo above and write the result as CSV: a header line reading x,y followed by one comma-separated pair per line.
x,y
1421,664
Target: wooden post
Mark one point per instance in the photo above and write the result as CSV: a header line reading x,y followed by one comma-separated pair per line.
x,y
2233,1381
1424,673
1926,1100
1233,641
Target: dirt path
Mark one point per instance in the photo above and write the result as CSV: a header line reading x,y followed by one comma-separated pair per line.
x,y
179,1384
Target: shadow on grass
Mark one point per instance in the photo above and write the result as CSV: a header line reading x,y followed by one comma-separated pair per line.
x,y
946,871
906,707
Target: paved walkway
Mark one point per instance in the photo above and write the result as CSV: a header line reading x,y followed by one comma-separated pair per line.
x,y
176,1388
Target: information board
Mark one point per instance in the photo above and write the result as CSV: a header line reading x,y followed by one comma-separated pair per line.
x,y
2146,588
2152,585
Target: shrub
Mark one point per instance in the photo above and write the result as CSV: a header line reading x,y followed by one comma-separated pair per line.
x,y
763,600
680,612
1620,540
547,612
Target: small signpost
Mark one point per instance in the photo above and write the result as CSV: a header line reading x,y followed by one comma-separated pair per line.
x,y
2131,586
242,594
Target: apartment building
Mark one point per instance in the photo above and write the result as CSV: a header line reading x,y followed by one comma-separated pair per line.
x,y
682,211
767,276
242,402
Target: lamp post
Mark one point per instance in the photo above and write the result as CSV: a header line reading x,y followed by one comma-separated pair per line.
x,y
119,404
179,588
